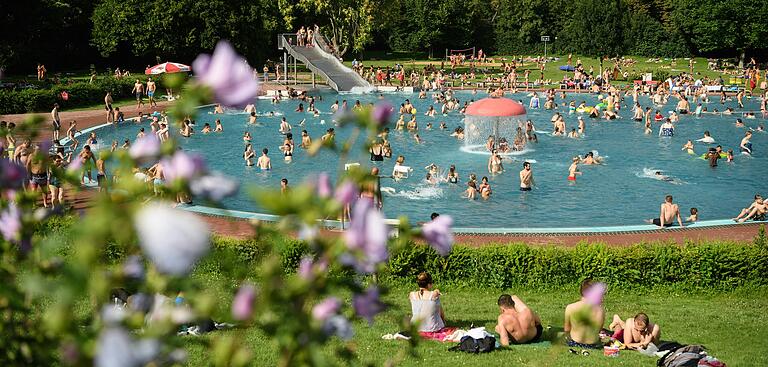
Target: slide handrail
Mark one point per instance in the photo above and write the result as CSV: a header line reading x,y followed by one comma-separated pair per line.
x,y
284,42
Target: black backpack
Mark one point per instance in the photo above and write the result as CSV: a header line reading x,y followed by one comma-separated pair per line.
x,y
469,344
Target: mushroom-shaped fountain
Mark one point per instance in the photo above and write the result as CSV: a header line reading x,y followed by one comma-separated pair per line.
x,y
501,120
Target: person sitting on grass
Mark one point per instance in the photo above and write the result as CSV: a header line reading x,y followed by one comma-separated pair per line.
x,y
583,321
637,332
517,324
426,309
755,211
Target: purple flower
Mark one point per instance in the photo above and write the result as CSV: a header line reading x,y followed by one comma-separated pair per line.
x,y
214,187
116,348
12,174
339,326
438,234
325,309
45,146
146,147
323,185
305,268
381,112
228,75
133,268
346,193
10,223
242,304
183,166
172,239
594,294
367,305
368,235
75,166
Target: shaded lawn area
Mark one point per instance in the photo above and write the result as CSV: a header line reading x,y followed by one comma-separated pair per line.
x,y
728,324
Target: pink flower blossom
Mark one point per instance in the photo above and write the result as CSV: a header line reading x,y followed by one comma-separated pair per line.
x,y
183,166
228,75
242,305
10,223
346,193
594,294
367,305
438,234
325,309
367,235
381,113
146,147
323,185
12,174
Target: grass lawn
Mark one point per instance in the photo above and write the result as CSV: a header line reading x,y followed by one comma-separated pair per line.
x,y
729,325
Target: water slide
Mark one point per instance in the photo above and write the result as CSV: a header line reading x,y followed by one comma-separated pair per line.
x,y
321,61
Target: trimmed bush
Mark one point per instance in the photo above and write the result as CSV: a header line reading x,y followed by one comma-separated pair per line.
x,y
704,265
80,94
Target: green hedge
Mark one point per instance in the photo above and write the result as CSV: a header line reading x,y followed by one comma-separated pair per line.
x,y
702,265
80,94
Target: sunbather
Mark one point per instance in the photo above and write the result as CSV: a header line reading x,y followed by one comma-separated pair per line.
x,y
517,324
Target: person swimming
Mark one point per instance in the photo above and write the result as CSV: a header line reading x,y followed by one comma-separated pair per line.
x,y
688,147
707,138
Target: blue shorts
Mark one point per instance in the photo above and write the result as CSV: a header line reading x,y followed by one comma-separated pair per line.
x,y
151,93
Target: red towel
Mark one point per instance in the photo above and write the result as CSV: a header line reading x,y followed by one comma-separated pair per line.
x,y
439,335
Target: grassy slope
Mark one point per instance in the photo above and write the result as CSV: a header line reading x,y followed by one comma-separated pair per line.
x,y
727,324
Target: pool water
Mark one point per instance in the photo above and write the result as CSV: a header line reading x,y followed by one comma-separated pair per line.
x,y
621,191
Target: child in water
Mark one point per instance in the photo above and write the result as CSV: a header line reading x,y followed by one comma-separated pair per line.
x,y
688,147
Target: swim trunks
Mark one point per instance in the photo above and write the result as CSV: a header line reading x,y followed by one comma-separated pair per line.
x,y
54,181
39,179
151,93
657,221
108,107
683,112
138,96
571,178
100,178
525,189
56,125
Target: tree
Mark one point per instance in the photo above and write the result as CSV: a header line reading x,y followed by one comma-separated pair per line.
x,y
733,27
347,23
184,28
596,28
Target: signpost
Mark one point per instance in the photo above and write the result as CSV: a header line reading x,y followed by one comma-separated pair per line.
x,y
545,39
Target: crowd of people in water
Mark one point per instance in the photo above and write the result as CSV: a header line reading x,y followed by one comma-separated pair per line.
x,y
691,97
518,323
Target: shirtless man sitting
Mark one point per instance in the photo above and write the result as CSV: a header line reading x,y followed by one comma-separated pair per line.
x,y
584,332
517,324
756,210
669,212
636,332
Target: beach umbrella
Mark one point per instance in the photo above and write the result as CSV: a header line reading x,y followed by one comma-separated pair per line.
x,y
168,67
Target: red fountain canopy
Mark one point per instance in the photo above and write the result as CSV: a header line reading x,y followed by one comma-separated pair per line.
x,y
495,107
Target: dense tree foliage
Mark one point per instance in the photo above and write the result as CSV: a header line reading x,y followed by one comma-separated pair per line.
x,y
67,32
182,28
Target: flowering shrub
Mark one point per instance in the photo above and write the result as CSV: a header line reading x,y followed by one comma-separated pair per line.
x,y
156,246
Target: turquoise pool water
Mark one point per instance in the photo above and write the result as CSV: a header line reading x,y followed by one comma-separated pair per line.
x,y
621,191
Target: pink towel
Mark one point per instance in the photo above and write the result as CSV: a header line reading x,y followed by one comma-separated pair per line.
x,y
439,335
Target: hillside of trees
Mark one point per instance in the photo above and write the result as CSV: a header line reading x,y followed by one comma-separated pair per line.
x,y
77,33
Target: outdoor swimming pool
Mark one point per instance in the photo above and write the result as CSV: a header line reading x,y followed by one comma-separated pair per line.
x,y
621,191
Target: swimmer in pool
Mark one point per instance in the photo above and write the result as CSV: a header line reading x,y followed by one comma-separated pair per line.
x,y
589,159
746,145
688,147
494,163
417,138
219,127
264,162
667,129
485,189
471,191
247,137
248,155
206,128
573,170
526,177
707,138
573,133
285,127
739,123
694,217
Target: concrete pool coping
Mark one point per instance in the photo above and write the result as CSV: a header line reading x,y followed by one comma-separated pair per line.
x,y
477,231
333,224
